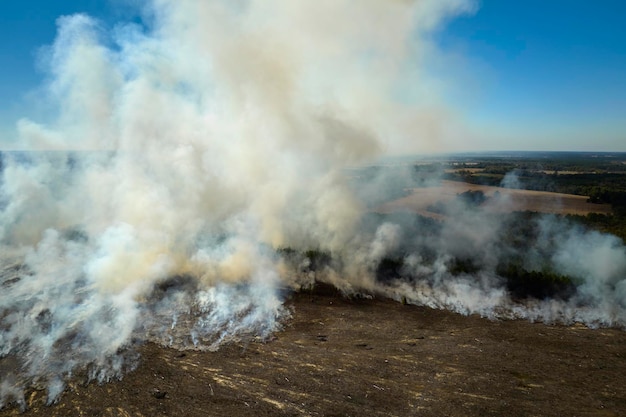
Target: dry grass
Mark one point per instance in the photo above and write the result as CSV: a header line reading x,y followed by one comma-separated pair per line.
x,y
509,200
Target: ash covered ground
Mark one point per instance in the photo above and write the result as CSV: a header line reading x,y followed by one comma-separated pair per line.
x,y
352,357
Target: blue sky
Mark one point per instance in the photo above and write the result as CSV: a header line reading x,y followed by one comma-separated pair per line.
x,y
547,73
532,74
25,27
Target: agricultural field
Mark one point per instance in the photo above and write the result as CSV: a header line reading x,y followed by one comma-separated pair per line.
x,y
424,200
587,188
599,176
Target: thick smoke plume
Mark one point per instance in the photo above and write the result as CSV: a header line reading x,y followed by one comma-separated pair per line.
x,y
195,169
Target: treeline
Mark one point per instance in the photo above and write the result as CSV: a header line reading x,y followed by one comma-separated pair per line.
x,y
549,162
611,196
520,282
600,188
614,224
516,241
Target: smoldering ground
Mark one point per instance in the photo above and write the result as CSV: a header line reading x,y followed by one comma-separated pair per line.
x,y
195,169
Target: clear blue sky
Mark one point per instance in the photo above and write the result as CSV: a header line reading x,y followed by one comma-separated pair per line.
x,y
532,74
546,73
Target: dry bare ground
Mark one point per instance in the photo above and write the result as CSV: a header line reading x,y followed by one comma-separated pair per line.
x,y
339,357
515,200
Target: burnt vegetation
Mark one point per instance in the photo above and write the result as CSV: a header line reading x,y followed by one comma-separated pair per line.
x,y
599,176
517,238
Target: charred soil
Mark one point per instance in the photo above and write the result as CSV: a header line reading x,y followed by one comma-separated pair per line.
x,y
370,357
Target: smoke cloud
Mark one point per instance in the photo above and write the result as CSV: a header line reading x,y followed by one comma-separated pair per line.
x,y
195,169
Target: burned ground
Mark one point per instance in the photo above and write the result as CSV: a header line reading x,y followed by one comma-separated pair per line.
x,y
341,357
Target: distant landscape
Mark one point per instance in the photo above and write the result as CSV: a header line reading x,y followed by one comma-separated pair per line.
x,y
518,191
585,187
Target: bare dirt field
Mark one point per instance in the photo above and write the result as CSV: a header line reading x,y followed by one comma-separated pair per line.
x,y
339,357
509,200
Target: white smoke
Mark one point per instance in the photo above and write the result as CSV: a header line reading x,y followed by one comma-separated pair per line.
x,y
594,262
179,156
192,163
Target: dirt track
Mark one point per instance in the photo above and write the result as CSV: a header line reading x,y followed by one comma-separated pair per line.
x,y
372,358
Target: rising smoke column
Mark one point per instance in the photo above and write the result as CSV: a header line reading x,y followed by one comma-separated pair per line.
x,y
180,156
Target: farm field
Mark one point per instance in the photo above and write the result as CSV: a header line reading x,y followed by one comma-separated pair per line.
x,y
498,200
